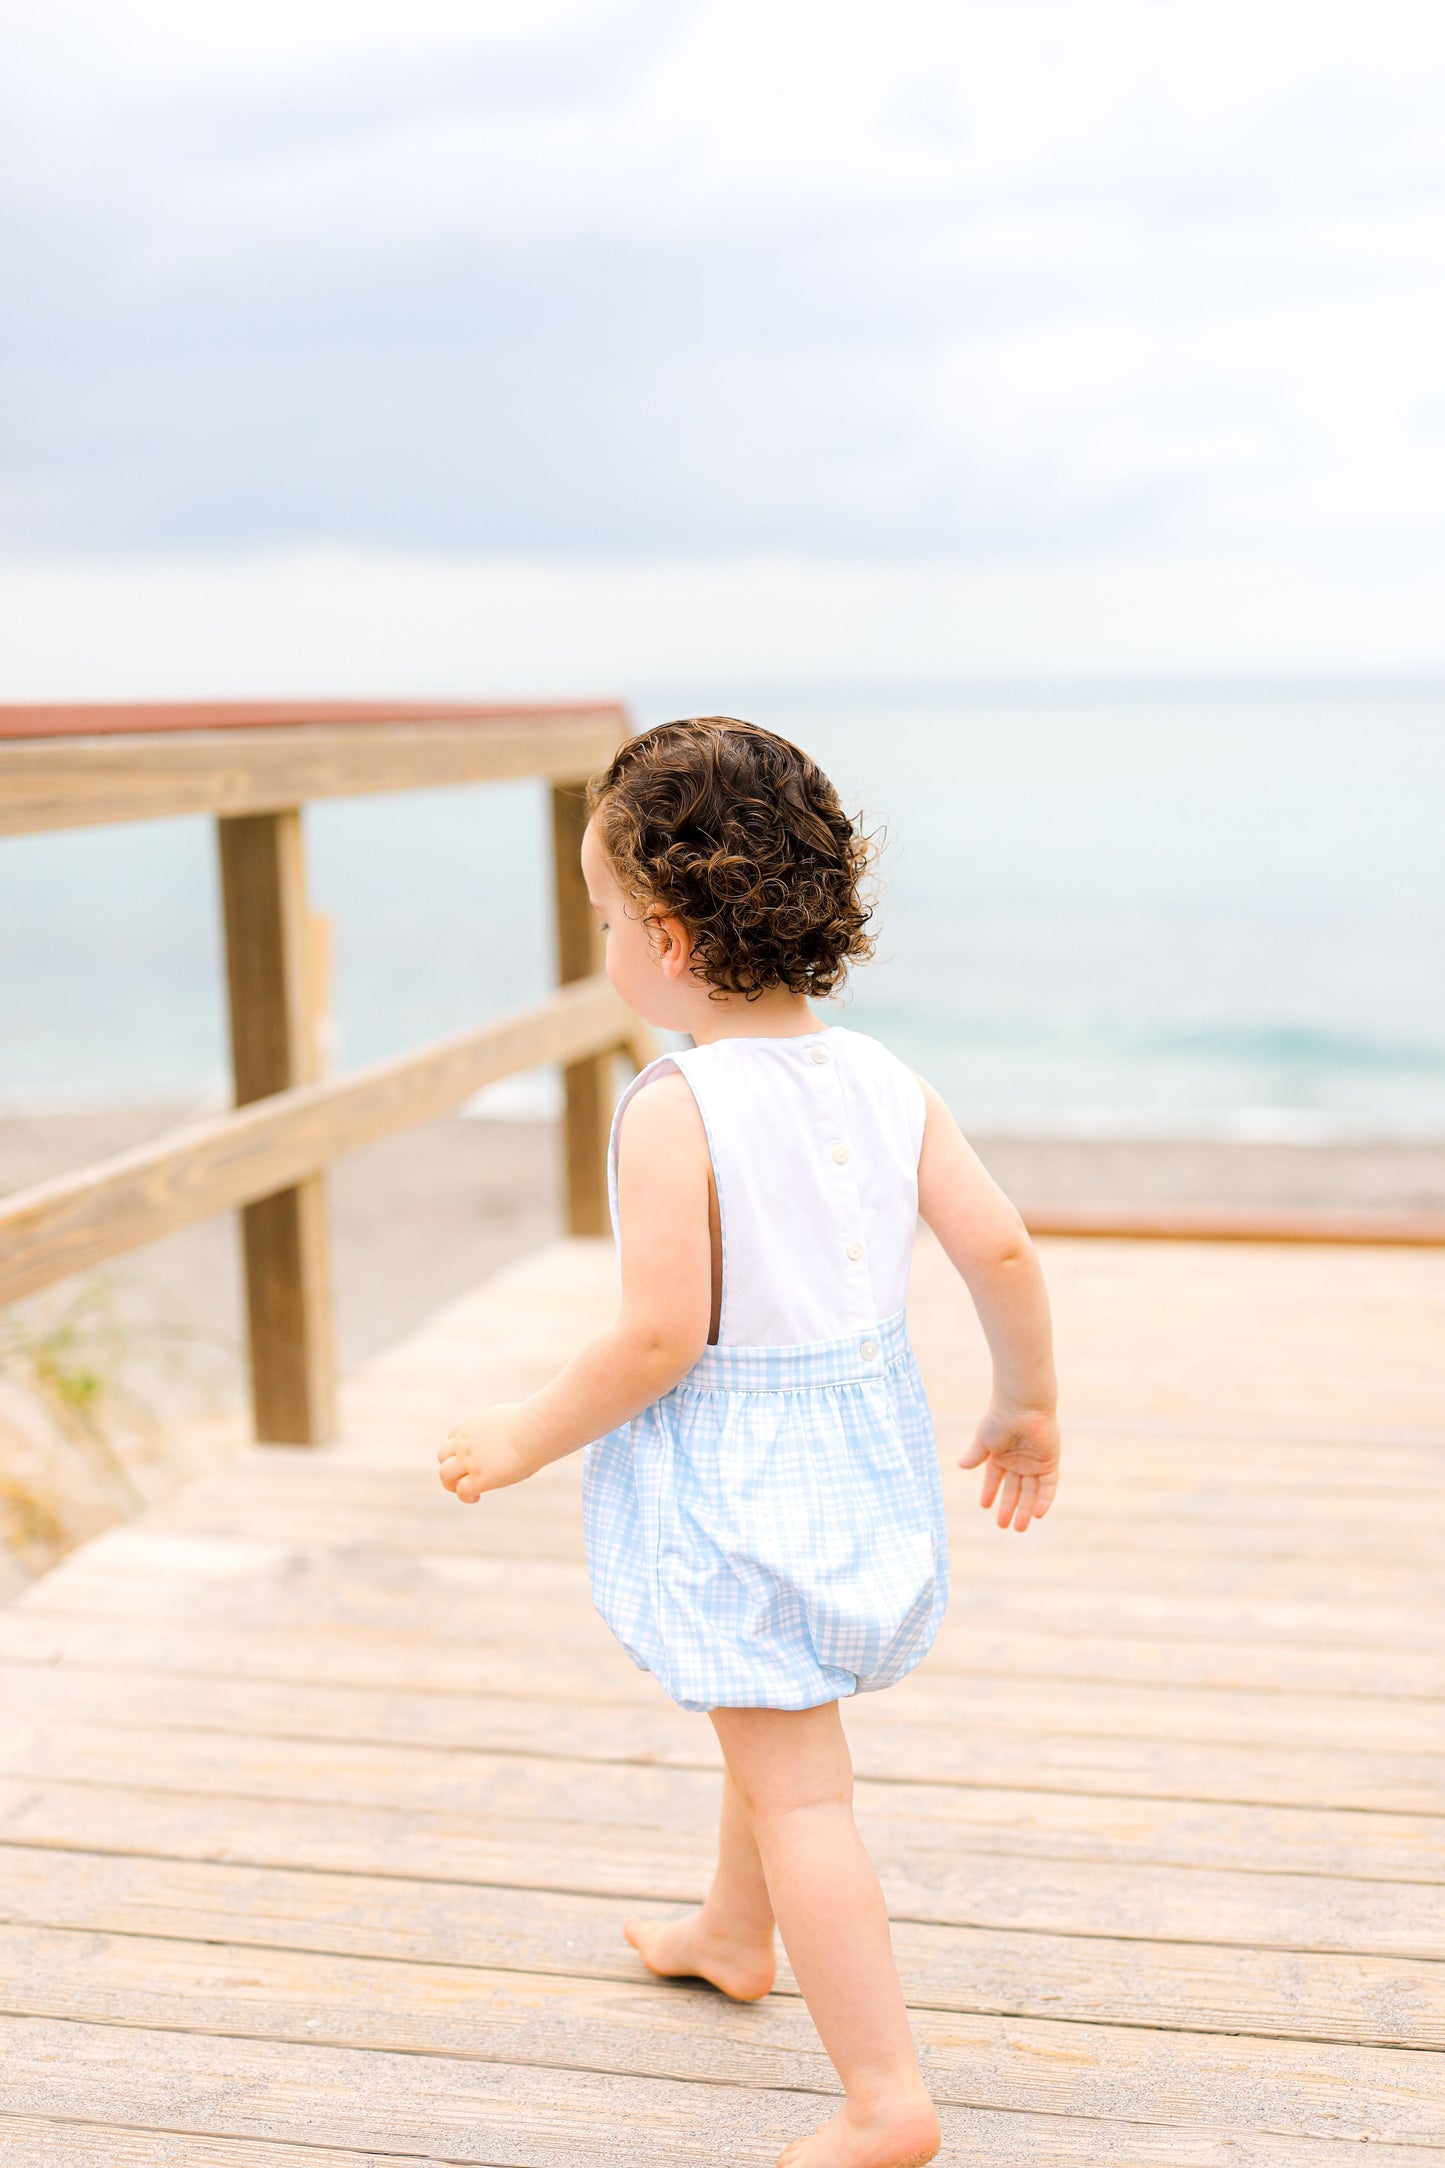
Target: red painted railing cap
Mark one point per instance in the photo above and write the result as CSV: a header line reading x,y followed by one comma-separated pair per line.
x,y
63,719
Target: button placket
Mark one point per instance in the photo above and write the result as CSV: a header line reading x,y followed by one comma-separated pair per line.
x,y
848,1203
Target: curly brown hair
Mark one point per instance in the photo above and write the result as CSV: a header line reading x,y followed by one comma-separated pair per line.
x,y
741,836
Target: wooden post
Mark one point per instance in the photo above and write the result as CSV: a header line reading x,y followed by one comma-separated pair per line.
x,y
270,962
589,1084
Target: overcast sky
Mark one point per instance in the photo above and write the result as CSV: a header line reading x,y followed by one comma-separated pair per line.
x,y
962,292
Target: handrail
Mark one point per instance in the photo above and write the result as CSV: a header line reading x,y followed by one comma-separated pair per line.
x,y
265,757
80,1220
68,718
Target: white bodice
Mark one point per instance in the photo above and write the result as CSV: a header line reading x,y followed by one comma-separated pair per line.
x,y
814,1143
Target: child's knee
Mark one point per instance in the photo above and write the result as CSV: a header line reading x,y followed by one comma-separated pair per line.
x,y
821,1819
783,1762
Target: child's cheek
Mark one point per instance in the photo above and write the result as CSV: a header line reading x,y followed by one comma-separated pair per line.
x,y
620,965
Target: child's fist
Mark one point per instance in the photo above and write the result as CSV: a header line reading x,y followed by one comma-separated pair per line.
x,y
1021,1449
483,1453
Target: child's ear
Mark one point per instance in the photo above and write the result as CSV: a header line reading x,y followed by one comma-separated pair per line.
x,y
674,947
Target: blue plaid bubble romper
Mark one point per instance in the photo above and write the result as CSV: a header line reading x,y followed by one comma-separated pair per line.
x,y
770,1533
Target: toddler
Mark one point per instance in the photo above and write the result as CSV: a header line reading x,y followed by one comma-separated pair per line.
x,y
762,1500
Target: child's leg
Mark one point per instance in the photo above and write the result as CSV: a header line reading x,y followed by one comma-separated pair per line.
x,y
730,1941
794,1778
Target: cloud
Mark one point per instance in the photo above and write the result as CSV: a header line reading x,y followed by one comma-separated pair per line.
x,y
909,281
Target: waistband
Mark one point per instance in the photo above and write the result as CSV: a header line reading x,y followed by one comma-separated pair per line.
x,y
864,1354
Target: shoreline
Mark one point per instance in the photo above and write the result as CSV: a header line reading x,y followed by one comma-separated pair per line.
x,y
522,1102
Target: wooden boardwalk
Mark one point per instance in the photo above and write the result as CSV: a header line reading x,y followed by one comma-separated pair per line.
x,y
322,1798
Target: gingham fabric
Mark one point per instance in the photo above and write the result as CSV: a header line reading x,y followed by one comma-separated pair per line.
x,y
770,1534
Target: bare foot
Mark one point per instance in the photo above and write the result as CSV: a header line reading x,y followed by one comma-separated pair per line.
x,y
684,1949
904,2135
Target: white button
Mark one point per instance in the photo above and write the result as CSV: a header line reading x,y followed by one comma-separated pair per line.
x,y
855,1250
819,1053
840,1153
870,1350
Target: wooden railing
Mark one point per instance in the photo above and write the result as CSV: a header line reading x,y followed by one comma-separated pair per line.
x,y
254,766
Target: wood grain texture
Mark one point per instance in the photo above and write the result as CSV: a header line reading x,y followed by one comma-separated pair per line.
x,y
144,1573
1176,1223
88,719
588,1086
65,780
1171,1987
552,2022
32,2141
469,2109
99,1627
322,1800
181,1734
285,1237
79,1221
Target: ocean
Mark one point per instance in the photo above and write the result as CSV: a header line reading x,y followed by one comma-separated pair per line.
x,y
1121,914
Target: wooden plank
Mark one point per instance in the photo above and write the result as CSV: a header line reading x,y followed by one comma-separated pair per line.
x,y
155,1573
618,1721
383,1470
1172,1712
269,974
435,2107
1171,1503
379,1461
641,2029
1265,1340
1200,1223
299,1744
1319,1448
916,1733
80,1220
1214,1771
140,1572
71,781
513,1525
274,1048
32,2141
101,1630
927,1878
99,718
476,2111
1203,1716
588,1085
1347,1525
1024,1649
1152,1489
1194,1987
415,1519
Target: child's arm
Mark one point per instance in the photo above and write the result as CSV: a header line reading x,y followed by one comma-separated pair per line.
x,y
987,1243
661,1327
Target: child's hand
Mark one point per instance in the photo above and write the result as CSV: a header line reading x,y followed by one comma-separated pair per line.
x,y
1021,1448
484,1453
